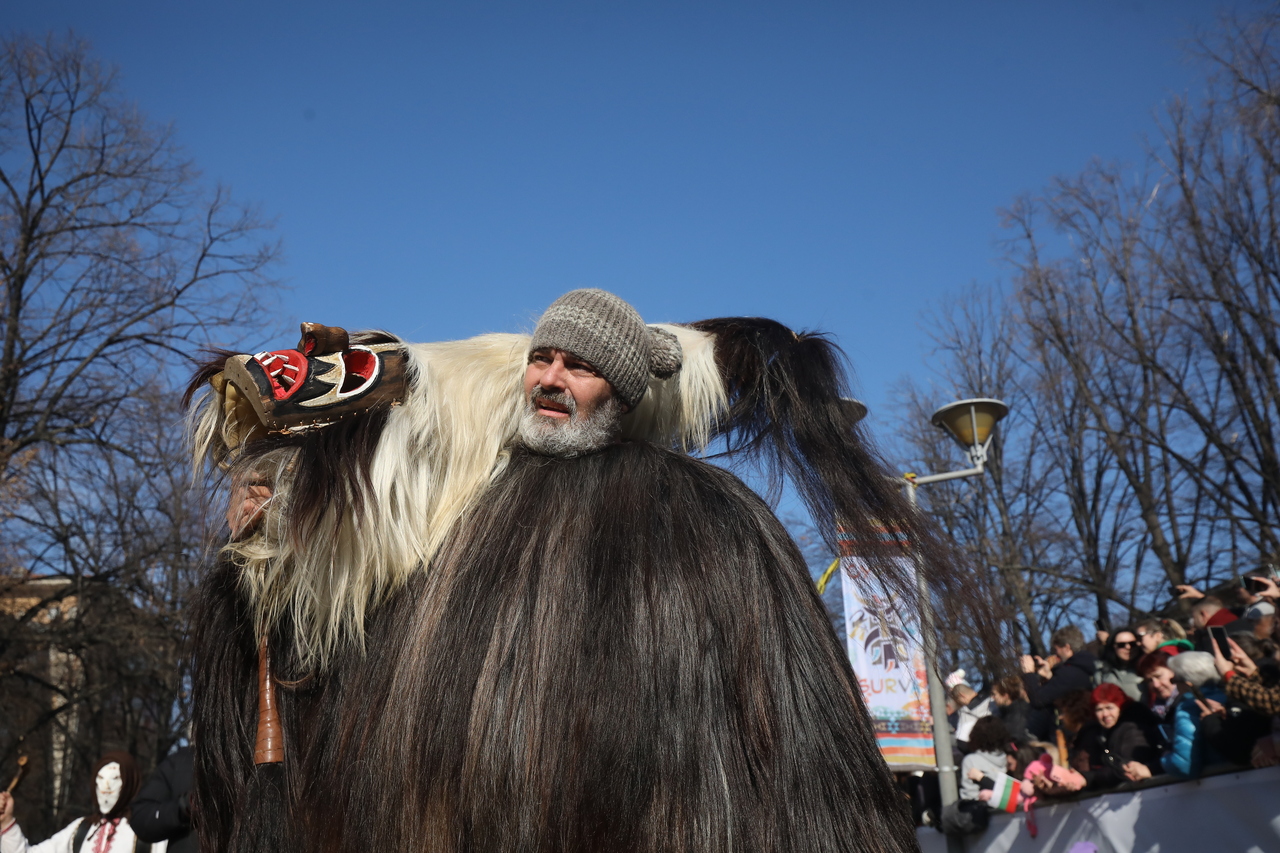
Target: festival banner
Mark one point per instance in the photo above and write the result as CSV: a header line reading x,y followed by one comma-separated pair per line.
x,y
888,658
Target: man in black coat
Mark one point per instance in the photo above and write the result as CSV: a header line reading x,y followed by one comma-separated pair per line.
x,y
1074,671
162,809
1024,723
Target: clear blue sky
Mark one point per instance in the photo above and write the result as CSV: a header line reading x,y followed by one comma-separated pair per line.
x,y
443,169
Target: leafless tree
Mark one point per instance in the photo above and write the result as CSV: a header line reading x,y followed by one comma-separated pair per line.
x,y
1138,345
1004,520
94,659
117,266
112,258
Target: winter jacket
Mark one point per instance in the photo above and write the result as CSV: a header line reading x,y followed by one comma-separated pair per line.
x,y
969,715
1188,752
1016,719
1233,734
1110,749
990,763
1126,679
1253,694
1075,673
1222,617
119,840
161,811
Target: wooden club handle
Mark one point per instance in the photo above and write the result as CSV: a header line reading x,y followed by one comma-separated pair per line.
x,y
17,777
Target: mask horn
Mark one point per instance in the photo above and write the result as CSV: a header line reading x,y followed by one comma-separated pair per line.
x,y
322,340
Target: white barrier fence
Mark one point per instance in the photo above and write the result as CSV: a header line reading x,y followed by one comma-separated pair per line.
x,y
1232,813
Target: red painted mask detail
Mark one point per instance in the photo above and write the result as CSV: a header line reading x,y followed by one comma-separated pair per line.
x,y
361,368
286,369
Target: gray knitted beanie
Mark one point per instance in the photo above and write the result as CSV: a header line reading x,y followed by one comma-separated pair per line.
x,y
606,332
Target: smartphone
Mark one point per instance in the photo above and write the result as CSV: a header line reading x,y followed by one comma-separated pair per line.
x,y
1174,591
1219,634
1254,584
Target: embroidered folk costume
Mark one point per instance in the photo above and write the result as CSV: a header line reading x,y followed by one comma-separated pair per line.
x,y
456,629
116,782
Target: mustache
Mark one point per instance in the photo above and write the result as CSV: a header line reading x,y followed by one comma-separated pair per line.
x,y
561,398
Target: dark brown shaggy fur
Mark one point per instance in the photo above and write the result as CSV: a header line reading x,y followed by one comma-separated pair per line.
x,y
618,652
787,415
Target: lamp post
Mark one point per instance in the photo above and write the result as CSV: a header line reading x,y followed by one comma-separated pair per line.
x,y
971,424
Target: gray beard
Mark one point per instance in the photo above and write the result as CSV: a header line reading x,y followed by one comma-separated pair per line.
x,y
574,436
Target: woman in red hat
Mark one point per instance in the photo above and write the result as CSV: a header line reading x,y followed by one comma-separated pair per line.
x,y
1117,741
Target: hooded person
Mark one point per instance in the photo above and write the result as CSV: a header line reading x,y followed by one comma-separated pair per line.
x,y
503,608
115,783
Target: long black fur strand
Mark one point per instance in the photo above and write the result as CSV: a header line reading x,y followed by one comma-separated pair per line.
x,y
622,651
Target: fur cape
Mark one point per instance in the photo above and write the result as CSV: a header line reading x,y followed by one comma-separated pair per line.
x,y
482,650
622,651
362,506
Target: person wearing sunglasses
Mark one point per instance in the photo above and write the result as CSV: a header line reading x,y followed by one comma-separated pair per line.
x,y
1164,635
1118,664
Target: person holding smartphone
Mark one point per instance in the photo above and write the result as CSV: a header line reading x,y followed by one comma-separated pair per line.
x,y
1235,729
1209,612
1072,669
1245,683
1200,691
1258,587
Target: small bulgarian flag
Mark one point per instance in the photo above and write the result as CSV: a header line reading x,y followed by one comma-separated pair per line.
x,y
1005,795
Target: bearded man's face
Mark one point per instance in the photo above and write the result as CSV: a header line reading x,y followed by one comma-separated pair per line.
x,y
570,408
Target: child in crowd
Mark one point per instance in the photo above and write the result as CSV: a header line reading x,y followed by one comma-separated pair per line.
x,y
987,742
1003,791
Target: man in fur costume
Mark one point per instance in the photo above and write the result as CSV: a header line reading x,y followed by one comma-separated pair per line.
x,y
497,606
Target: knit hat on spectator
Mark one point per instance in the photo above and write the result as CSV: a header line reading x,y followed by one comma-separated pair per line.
x,y
607,333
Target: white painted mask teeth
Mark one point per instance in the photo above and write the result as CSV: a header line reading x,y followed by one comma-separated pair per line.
x,y
107,786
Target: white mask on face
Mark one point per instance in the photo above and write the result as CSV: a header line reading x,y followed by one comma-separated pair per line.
x,y
107,786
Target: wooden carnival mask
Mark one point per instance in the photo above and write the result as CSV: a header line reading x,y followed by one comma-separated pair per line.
x,y
325,379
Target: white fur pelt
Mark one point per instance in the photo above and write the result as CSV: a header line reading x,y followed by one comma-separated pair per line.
x,y
682,411
437,453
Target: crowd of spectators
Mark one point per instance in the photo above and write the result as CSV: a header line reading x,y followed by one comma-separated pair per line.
x,y
1154,700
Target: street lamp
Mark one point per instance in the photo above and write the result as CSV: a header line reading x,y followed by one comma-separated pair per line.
x,y
971,423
